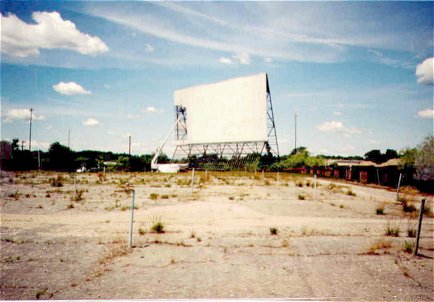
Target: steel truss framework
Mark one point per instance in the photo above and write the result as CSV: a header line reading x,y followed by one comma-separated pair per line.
x,y
225,155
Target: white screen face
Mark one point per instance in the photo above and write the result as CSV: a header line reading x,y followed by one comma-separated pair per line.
x,y
230,111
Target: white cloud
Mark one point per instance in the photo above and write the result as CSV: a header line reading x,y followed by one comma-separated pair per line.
x,y
91,122
20,114
242,58
424,72
330,126
20,39
149,48
426,113
151,109
70,88
225,60
335,126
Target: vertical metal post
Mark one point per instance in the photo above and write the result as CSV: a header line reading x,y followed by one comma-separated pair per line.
x,y
399,185
192,182
130,240
419,226
75,186
39,159
314,186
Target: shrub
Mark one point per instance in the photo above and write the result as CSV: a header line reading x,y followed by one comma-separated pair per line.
x,y
57,182
165,196
380,210
231,198
267,182
142,231
350,193
299,184
78,196
157,225
408,208
341,206
392,230
408,246
153,196
301,197
411,229
274,231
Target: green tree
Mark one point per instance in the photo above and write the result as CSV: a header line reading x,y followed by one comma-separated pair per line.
x,y
374,155
424,160
407,158
61,157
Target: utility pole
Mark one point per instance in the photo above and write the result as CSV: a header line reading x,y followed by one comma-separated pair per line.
x,y
129,145
69,136
30,133
295,133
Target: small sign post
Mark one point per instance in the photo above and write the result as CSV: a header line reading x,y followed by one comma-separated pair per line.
x,y
399,185
314,186
130,241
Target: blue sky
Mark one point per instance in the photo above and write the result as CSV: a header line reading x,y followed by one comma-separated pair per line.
x,y
359,75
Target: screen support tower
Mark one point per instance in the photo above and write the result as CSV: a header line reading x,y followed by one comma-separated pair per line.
x,y
225,155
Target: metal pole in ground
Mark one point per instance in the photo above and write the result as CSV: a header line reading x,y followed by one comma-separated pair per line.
x,y
314,186
130,241
399,185
419,226
75,186
192,182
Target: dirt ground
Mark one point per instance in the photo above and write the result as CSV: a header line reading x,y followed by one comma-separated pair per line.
x,y
218,239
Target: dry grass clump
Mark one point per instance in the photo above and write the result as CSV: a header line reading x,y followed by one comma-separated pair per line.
x,y
301,197
350,192
392,229
411,229
78,196
153,196
380,210
57,181
381,244
157,225
274,231
408,246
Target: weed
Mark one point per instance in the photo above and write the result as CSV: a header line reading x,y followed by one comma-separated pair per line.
x,y
48,195
165,196
274,231
379,245
153,196
285,243
27,195
299,184
231,198
78,196
380,210
40,293
407,207
157,225
199,239
350,193
57,182
142,231
408,246
192,235
70,206
341,206
301,197
267,182
411,229
392,229
15,195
